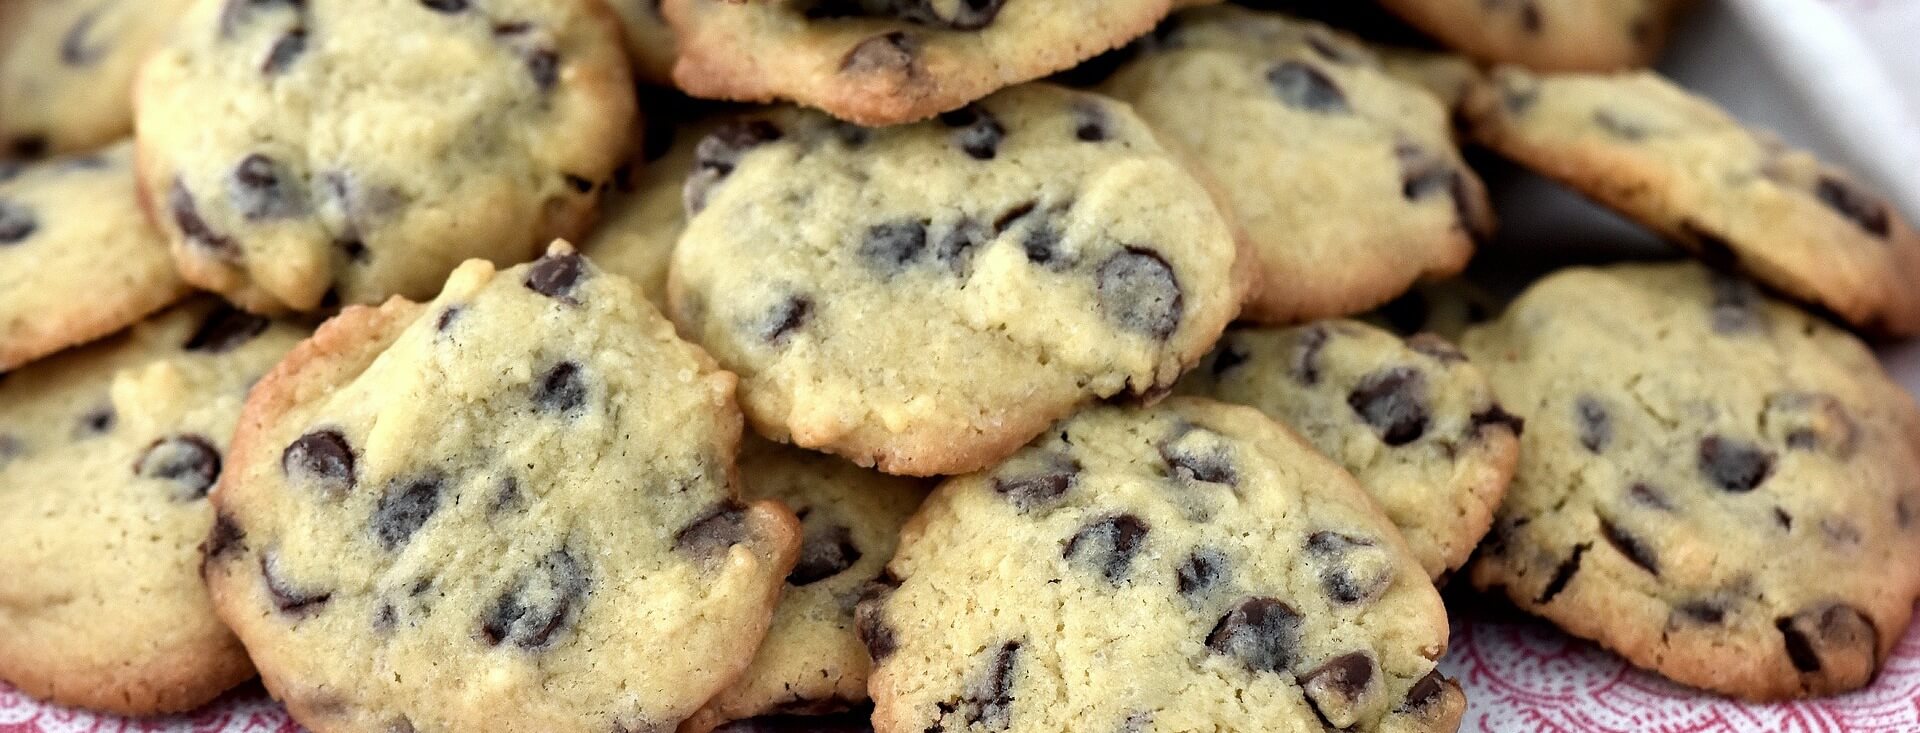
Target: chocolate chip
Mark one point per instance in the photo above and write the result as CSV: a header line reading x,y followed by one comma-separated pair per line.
x,y
262,189
1422,173
784,319
17,222
1090,122
824,554
708,537
1335,688
1863,209
988,701
222,538
447,317
195,229
1138,291
74,50
1734,465
1630,546
1562,575
322,457
1423,694
1497,415
404,508
888,248
1829,636
1353,570
957,245
1394,402
1782,518
557,276
720,150
1645,494
1303,359
975,131
1199,455
562,389
445,6
542,602
1519,93
891,51
289,47
1203,570
224,329
1595,423
1301,85
1530,17
97,421
1262,633
189,462
1811,421
579,184
1704,612
1045,479
289,598
1736,305
1109,543
868,623
1042,246
544,65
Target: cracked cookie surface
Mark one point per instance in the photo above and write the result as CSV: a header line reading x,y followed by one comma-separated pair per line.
x,y
1712,483
1191,566
929,297
512,509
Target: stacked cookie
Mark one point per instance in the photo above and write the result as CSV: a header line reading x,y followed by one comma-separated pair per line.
x,y
904,389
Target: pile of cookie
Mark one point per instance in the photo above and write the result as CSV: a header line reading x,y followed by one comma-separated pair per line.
x,y
933,365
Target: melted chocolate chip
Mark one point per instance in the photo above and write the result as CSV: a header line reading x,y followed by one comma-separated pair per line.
x,y
1595,423
1562,575
195,229
403,509
957,245
1734,465
1335,688
1345,575
1262,633
868,624
558,276
975,131
1203,570
1394,402
891,51
1301,85
988,701
189,462
1050,476
708,537
1863,209
789,316
1423,694
1208,462
1630,546
541,604
562,389
224,329
262,189
447,318
1827,636
1138,291
17,222
824,554
323,458
888,248
1109,544
1303,360
288,48
289,598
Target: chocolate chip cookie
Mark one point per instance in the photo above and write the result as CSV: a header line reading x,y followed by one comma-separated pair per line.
x,y
928,297
78,259
65,67
812,662
1345,180
1192,566
511,508
1413,420
1718,486
303,153
106,456
1735,198
883,62
1558,35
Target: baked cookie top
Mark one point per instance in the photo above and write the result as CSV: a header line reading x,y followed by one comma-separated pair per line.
x,y
1345,180
327,172
65,68
78,259
1191,566
512,508
1738,199
1712,483
928,297
1555,35
812,662
882,62
1412,419
106,456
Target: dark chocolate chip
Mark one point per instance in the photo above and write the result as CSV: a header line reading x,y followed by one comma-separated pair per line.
x,y
717,154
289,47
1812,421
890,51
1530,17
97,421
1594,422
824,554
224,329
222,538
1734,465
784,319
1303,361
544,65
888,248
189,462
195,229
1703,612
1138,291
988,701
262,189
1226,357
562,389
975,131
322,457
868,623
1211,463
1109,543
579,184
1423,694
709,536
1301,85
1562,575
1633,548
1497,415
540,605
1042,245
1822,637
17,222
1340,579
404,508
1203,570
1051,477
956,247
1736,305
447,318
1645,494
74,50
1262,633
1863,209
1335,689
288,597
1422,173
1090,122
1394,402
558,276
1782,518
445,6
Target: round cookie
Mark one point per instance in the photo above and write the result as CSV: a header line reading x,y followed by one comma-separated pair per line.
x,y
1345,180
106,456
881,62
331,173
1412,420
649,39
510,509
926,298
1716,485
1740,200
1192,566
65,67
1555,35
78,259
850,517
